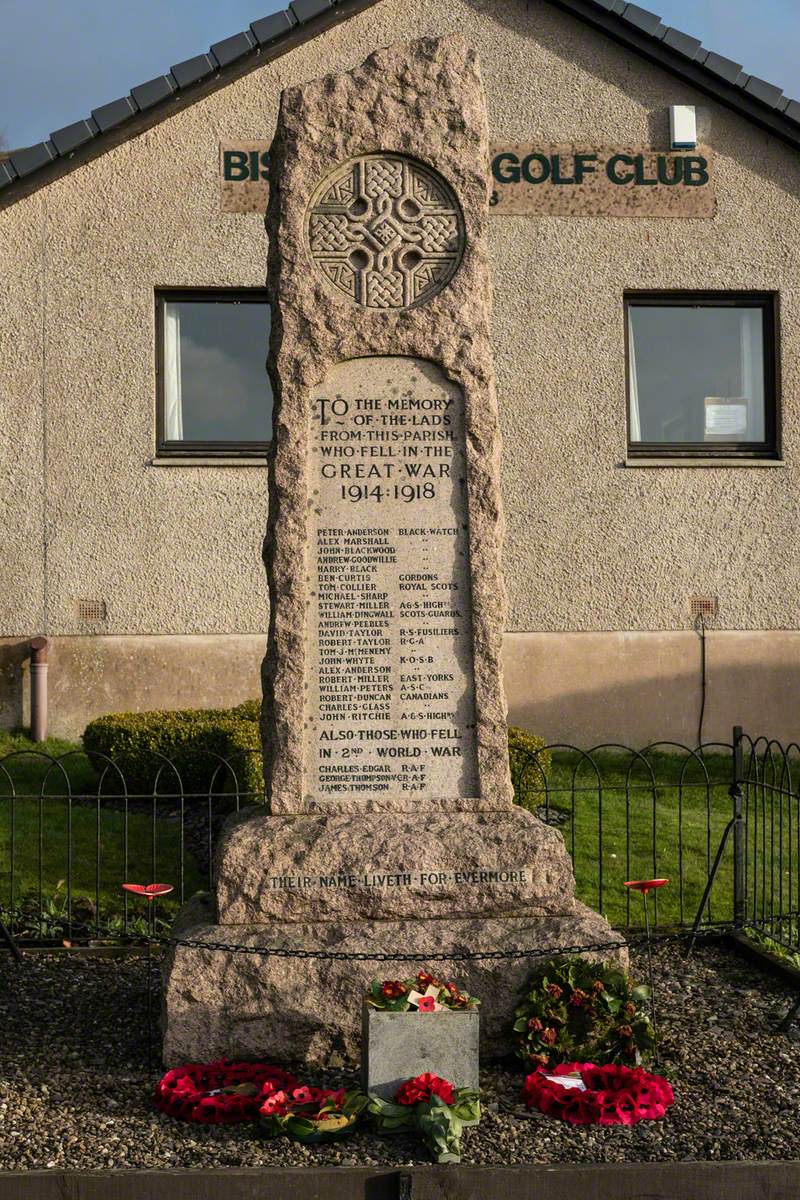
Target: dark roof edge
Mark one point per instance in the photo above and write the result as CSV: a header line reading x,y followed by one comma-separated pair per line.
x,y
243,53
645,33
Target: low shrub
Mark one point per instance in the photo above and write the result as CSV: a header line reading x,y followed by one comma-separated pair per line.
x,y
530,765
193,739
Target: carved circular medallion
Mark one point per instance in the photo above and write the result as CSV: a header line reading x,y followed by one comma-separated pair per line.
x,y
386,231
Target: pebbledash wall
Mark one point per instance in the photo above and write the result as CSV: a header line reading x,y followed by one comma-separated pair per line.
x,y
601,556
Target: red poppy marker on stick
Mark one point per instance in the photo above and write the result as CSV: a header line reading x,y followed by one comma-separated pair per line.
x,y
150,890
646,886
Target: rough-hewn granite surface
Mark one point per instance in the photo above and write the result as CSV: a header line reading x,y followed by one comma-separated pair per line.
x,y
422,99
313,868
218,1003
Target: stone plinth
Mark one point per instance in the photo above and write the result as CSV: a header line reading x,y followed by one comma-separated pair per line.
x,y
307,869
218,1003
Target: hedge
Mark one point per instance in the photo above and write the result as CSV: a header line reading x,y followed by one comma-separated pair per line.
x,y
190,738
530,765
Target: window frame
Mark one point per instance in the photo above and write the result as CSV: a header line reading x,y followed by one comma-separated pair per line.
x,y
768,302
199,449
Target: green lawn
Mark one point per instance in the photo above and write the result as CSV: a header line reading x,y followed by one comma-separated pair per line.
x,y
77,856
675,811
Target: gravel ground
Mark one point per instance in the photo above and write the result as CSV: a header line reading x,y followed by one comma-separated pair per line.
x,y
75,1086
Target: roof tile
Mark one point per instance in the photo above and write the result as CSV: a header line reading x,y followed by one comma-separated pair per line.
x,y
688,46
305,10
641,18
768,93
108,116
148,94
72,136
271,27
229,49
32,157
7,173
726,68
193,69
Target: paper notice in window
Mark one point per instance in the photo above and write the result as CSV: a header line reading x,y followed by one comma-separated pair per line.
x,y
726,419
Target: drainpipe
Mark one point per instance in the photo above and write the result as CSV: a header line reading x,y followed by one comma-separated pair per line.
x,y
39,688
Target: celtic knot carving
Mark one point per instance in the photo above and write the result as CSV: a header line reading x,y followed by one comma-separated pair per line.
x,y
386,231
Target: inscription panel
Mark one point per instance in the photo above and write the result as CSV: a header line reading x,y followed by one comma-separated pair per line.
x,y
389,688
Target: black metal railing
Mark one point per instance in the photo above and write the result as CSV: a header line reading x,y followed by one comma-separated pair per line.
x,y
72,831
768,853
721,821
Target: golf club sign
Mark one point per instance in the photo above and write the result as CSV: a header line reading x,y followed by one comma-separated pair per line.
x,y
561,180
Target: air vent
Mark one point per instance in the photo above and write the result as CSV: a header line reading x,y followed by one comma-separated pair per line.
x,y
703,606
92,610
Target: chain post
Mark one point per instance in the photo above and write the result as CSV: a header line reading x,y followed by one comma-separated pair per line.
x,y
736,794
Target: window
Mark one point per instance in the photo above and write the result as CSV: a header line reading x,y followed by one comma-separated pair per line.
x,y
214,394
702,374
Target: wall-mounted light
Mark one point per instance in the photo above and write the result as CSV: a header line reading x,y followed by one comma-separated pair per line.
x,y
682,127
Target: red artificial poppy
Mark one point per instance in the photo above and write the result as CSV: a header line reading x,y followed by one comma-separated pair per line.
x,y
420,1089
427,1004
150,890
221,1093
645,885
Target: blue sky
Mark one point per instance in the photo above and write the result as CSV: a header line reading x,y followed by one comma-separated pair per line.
x,y
62,58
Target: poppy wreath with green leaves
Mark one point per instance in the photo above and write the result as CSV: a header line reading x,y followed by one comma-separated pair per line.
x,y
577,1010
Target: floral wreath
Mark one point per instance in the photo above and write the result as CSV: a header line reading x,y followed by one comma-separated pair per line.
x,y
219,1093
573,1009
311,1114
424,992
592,1095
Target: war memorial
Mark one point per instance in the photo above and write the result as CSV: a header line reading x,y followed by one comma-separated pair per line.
x,y
389,822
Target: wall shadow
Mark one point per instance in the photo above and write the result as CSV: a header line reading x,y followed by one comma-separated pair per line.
x,y
13,683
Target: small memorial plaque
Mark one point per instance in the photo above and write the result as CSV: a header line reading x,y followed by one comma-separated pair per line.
x,y
390,707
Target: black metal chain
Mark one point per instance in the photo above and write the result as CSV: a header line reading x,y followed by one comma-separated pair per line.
x,y
712,929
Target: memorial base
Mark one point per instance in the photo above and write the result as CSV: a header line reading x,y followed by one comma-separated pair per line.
x,y
232,1003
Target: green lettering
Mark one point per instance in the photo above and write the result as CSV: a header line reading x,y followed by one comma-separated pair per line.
x,y
624,160
641,178
584,165
695,171
557,176
663,173
505,168
544,163
234,166
265,165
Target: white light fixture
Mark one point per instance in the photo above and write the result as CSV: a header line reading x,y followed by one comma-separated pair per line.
x,y
682,127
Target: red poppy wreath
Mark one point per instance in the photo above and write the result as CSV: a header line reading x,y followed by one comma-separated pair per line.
x,y
591,1095
219,1093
